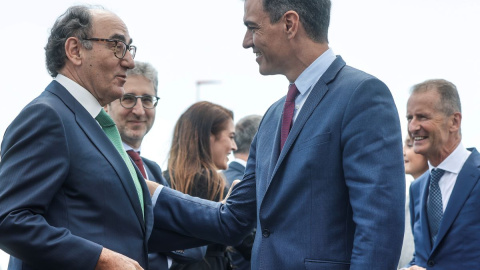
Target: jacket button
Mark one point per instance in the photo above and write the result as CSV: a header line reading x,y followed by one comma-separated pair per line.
x,y
431,263
266,233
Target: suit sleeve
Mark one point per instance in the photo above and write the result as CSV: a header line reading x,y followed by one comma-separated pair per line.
x,y
188,256
35,165
374,175
227,224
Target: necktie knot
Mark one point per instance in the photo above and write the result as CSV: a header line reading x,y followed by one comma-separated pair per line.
x,y
133,154
138,161
288,111
104,119
436,174
292,93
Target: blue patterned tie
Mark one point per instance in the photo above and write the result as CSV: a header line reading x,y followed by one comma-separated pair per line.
x,y
434,204
112,133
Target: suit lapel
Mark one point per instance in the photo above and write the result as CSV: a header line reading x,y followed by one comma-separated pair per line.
x,y
95,133
314,98
466,180
425,229
276,143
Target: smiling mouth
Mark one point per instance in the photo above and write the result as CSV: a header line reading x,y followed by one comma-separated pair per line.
x,y
419,138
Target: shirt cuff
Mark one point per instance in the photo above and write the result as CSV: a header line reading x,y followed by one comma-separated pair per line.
x,y
155,195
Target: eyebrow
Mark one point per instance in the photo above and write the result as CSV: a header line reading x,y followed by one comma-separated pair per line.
x,y
120,37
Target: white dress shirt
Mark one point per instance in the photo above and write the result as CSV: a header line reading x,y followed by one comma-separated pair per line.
x,y
309,78
82,95
452,166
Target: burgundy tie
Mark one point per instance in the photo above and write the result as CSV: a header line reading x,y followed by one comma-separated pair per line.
x,y
288,110
138,161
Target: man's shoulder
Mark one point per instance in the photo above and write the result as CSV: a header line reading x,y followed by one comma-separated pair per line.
x,y
235,171
150,163
417,183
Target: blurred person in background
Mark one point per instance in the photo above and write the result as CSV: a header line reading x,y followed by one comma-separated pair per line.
x,y
245,131
134,114
415,165
202,140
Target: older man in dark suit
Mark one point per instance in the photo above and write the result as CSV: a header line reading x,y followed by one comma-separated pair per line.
x,y
65,185
70,197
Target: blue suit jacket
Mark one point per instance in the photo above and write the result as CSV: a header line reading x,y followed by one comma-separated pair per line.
x,y
333,198
65,191
458,239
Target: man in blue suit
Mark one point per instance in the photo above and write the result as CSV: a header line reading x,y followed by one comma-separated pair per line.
x,y
70,198
444,201
134,114
328,193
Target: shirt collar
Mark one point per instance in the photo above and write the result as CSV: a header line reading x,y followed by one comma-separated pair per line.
x,y
454,162
241,161
312,73
82,95
128,147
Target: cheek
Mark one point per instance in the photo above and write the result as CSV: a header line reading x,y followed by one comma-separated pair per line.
x,y
417,161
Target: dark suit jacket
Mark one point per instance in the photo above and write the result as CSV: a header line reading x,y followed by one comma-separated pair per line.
x,y
333,198
235,171
458,239
65,191
158,261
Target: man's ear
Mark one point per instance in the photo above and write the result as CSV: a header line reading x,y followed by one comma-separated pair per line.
x,y
73,49
456,122
292,21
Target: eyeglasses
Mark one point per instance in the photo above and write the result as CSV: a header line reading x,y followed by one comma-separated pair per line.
x,y
119,48
129,101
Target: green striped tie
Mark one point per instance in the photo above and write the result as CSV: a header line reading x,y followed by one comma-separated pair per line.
x,y
111,131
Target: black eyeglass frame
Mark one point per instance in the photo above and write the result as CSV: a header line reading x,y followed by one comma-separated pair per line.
x,y
130,48
155,101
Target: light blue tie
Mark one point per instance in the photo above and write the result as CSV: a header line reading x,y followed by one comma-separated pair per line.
x,y
111,131
434,204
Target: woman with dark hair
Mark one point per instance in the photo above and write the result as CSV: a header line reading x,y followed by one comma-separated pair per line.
x,y
202,140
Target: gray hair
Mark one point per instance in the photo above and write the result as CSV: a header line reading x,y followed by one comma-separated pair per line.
x,y
146,70
449,98
314,15
245,130
75,22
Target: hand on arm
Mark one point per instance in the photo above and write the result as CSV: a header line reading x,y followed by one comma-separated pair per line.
x,y
111,260
230,190
152,186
